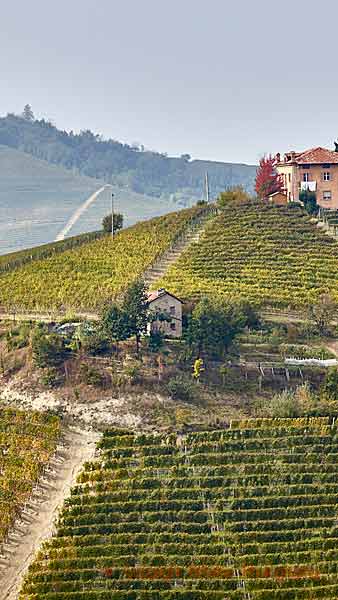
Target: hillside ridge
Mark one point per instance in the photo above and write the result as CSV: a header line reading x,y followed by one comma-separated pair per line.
x,y
154,174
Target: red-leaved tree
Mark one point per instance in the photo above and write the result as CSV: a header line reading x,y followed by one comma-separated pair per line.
x,y
267,179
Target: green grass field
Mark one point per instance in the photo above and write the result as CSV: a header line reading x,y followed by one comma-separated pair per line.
x,y
269,255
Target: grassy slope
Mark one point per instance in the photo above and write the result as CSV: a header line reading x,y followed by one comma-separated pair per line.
x,y
248,509
266,254
84,277
37,199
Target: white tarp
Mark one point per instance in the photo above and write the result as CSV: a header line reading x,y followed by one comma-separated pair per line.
x,y
308,185
329,362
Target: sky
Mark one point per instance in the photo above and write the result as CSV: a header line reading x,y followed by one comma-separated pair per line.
x,y
219,79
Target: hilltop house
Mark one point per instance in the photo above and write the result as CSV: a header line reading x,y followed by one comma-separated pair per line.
x,y
315,170
162,301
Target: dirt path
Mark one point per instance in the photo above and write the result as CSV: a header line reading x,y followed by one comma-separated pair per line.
x,y
160,267
78,447
151,275
77,214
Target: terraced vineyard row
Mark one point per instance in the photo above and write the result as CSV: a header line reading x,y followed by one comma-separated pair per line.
x,y
85,276
266,254
244,513
27,442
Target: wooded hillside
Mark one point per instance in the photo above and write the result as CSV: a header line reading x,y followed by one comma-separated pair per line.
x,y
142,171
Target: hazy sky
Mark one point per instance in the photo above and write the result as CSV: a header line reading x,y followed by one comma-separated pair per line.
x,y
219,79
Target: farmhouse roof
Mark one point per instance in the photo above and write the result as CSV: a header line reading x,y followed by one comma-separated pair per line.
x,y
154,295
316,156
276,194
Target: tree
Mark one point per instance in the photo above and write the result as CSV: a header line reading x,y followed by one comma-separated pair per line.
x,y
135,306
267,179
115,323
323,312
309,200
28,114
212,327
235,194
118,222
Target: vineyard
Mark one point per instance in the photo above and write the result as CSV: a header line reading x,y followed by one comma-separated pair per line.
x,y
27,442
87,274
269,255
249,512
9,262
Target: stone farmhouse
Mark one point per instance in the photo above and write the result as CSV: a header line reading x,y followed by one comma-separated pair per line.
x,y
162,301
315,170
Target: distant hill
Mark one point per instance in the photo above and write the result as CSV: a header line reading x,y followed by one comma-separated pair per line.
x,y
37,199
129,167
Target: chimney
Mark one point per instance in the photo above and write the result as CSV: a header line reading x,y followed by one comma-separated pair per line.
x,y
278,157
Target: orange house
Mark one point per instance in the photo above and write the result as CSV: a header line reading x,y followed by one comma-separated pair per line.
x,y
315,170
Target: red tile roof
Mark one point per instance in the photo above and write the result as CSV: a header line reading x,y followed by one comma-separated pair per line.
x,y
158,293
316,156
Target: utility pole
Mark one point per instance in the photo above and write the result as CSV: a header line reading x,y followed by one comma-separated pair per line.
x,y
109,187
207,187
112,215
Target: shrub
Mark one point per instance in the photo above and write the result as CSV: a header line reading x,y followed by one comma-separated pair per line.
x,y
236,194
50,377
282,405
49,350
132,371
91,376
330,386
18,337
155,341
92,339
182,388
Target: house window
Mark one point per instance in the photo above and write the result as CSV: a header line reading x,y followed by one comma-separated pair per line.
x,y
327,196
173,326
289,177
326,175
172,310
306,176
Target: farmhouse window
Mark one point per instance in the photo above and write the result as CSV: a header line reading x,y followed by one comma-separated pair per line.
x,y
172,310
327,196
173,326
326,175
306,176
